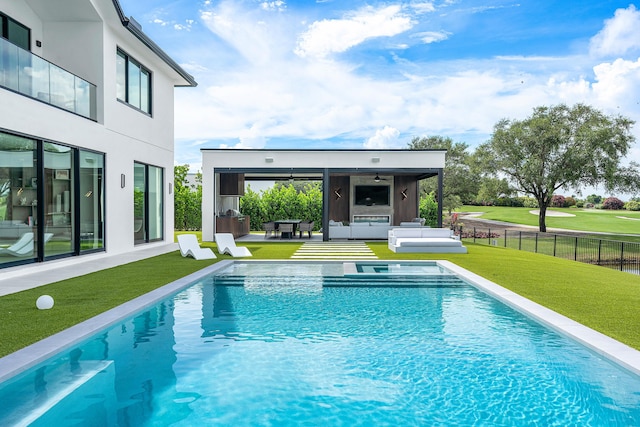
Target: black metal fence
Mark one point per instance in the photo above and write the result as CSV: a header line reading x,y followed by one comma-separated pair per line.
x,y
623,256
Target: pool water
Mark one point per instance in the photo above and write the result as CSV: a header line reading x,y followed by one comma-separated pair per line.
x,y
277,345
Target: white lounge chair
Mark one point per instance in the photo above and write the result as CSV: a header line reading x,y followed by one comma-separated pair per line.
x,y
227,245
189,246
24,246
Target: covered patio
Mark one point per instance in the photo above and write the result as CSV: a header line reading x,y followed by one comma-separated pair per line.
x,y
362,190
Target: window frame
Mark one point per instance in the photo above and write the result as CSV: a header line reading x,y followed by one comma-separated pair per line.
x,y
150,201
5,30
38,187
129,72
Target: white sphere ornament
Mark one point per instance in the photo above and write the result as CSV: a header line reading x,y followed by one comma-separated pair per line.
x,y
44,302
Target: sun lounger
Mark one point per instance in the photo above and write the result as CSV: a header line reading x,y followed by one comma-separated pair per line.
x,y
189,246
227,245
24,246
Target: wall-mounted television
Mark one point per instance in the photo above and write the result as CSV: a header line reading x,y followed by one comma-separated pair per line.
x,y
372,195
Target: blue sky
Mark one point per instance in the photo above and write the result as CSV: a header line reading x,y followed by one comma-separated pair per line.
x,y
368,74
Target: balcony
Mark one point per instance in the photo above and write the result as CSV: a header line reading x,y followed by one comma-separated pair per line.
x,y
28,74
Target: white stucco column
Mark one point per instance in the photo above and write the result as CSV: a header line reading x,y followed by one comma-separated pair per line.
x,y
208,200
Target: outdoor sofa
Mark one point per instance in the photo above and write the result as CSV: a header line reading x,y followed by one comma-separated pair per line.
x,y
424,239
358,230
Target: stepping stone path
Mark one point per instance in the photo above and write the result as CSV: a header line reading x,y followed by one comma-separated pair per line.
x,y
334,250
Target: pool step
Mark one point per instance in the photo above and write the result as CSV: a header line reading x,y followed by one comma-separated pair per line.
x,y
427,281
334,250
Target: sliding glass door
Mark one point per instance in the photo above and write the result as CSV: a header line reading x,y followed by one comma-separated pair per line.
x,y
91,201
59,203
148,199
51,200
18,199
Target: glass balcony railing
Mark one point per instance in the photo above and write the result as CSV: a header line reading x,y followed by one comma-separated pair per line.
x,y
30,75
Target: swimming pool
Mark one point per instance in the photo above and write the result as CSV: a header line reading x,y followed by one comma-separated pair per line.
x,y
307,343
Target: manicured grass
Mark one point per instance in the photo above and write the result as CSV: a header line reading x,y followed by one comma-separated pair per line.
x,y
600,298
594,220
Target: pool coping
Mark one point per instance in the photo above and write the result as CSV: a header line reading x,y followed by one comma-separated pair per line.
x,y
23,359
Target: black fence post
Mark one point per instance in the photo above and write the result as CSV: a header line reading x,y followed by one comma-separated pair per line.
x,y
505,238
536,250
599,251
474,234
520,242
489,237
575,254
555,243
622,257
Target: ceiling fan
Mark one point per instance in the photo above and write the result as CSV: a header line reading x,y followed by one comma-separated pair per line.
x,y
378,179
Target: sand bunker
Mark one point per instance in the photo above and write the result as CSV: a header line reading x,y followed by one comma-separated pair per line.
x,y
551,213
626,217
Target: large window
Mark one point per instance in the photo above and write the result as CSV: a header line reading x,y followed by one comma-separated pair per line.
x,y
15,32
148,199
59,203
91,200
18,200
51,200
133,82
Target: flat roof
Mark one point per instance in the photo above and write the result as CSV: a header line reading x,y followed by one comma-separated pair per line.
x,y
350,160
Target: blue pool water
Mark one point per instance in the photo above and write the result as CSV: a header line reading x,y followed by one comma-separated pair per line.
x,y
277,345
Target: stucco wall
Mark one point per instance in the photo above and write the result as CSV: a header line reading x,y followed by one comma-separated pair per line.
x,y
125,135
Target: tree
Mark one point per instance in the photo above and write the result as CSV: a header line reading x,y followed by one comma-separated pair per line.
x,y
429,210
492,189
561,147
302,200
460,185
187,200
594,198
612,203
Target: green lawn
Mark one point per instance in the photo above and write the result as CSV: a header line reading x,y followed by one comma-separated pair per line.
x,y
602,299
594,220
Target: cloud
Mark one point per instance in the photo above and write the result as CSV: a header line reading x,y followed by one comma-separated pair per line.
x,y
252,137
278,5
617,84
620,35
258,35
339,35
423,7
432,36
257,93
384,138
186,25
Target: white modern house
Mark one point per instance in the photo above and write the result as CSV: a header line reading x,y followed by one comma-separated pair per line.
x,y
365,192
86,131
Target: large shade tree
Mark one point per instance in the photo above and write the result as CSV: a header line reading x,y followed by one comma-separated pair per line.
x,y
562,147
460,185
